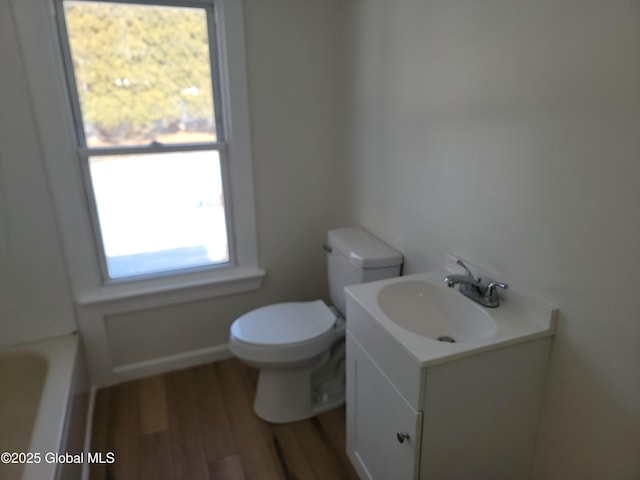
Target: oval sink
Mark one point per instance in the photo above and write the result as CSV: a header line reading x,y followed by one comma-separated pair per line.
x,y
435,312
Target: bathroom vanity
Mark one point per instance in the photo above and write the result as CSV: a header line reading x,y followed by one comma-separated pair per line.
x,y
420,407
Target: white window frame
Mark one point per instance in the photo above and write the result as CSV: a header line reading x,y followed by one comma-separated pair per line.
x,y
38,36
85,152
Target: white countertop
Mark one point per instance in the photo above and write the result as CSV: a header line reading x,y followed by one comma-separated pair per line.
x,y
520,317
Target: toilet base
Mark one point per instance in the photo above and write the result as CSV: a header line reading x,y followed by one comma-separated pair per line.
x,y
285,396
289,395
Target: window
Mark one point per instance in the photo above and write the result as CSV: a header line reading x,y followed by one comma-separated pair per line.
x,y
146,95
200,152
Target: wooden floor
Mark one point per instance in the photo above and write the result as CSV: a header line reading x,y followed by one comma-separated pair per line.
x,y
198,424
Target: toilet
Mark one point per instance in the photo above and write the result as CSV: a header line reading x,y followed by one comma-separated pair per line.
x,y
299,347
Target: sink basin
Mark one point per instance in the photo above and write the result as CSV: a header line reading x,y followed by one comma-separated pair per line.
x,y
417,310
435,312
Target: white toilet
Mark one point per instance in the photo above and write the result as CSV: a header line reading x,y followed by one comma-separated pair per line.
x,y
299,346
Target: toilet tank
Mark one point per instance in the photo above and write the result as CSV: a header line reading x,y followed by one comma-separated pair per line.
x,y
355,256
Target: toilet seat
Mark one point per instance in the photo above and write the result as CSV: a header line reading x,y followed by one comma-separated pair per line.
x,y
284,332
284,323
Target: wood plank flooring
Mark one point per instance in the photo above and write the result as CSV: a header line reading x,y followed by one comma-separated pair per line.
x,y
198,424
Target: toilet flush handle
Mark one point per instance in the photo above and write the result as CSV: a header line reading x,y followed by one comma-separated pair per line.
x,y
327,248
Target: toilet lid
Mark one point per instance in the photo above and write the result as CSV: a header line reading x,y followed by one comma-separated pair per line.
x,y
284,323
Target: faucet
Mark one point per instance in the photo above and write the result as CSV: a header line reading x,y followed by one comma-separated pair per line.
x,y
473,288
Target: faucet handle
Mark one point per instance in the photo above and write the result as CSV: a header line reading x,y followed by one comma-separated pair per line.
x,y
491,295
467,270
491,289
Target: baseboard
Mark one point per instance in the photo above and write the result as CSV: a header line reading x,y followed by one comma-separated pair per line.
x,y
156,366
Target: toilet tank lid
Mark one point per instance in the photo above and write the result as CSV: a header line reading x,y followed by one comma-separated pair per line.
x,y
363,249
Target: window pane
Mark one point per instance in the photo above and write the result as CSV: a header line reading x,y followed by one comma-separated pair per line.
x,y
160,212
143,73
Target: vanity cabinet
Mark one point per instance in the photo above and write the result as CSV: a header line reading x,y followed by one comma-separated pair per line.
x,y
384,440
469,418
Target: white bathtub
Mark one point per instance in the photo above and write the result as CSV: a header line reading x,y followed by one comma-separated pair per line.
x,y
43,407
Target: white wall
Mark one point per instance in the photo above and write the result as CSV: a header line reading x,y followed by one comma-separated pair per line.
x,y
509,132
35,300
292,75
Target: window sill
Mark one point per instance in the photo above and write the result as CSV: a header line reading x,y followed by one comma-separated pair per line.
x,y
161,291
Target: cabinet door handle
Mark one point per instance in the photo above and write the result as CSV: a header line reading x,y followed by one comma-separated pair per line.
x,y
402,436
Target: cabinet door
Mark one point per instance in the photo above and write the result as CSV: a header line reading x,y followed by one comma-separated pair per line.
x,y
377,415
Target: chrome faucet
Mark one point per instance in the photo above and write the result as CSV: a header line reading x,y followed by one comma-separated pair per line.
x,y
472,287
